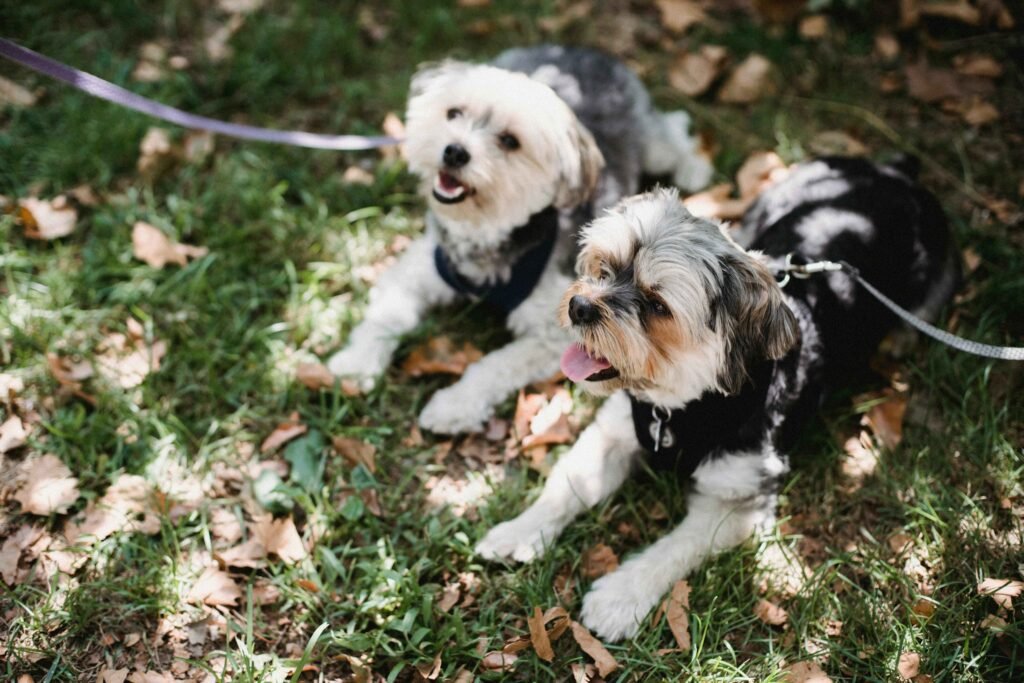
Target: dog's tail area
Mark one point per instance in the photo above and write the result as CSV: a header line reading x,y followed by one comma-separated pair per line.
x,y
670,149
907,164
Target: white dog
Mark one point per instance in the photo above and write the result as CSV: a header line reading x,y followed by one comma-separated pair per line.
x,y
513,157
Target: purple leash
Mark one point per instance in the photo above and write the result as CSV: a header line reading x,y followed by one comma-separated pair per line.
x,y
105,90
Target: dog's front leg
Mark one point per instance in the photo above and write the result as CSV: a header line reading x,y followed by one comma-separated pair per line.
x,y
398,302
618,602
466,405
593,469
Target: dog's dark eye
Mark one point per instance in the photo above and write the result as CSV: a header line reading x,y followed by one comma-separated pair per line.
x,y
657,306
508,141
454,113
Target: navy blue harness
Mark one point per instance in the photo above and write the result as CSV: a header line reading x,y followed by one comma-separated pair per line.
x,y
534,243
679,439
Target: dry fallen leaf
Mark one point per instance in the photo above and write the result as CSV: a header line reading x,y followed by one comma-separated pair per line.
x,y
679,15
813,27
1003,591
977,112
958,10
215,587
126,360
156,151
13,434
551,423
539,636
886,418
112,675
13,547
677,613
593,647
432,670
759,171
933,84
770,613
977,65
692,73
316,376
450,596
716,202
439,356
831,142
355,175
126,506
805,672
151,245
393,127
281,538
282,434
69,375
909,665
47,219
887,46
527,406
497,660
14,95
48,487
356,452
748,82
599,560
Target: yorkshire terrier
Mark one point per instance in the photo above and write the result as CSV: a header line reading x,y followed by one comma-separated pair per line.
x,y
513,157
712,367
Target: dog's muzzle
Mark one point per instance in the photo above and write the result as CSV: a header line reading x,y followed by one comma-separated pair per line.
x,y
583,311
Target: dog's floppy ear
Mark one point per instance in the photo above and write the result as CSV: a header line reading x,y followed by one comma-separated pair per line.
x,y
581,161
432,74
758,323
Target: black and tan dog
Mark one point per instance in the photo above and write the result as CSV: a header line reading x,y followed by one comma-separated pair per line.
x,y
711,366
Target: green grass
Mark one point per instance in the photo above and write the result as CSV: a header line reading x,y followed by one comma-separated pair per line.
x,y
285,233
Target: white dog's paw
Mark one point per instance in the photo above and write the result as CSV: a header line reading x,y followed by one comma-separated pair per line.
x,y
617,604
522,540
365,368
450,411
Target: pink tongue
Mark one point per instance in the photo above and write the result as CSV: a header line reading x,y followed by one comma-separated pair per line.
x,y
449,182
578,365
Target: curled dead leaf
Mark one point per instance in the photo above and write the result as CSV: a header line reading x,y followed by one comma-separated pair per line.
x,y
692,73
13,434
356,452
282,434
316,376
885,418
933,84
440,356
539,636
679,15
126,360
716,202
126,506
887,46
603,659
805,672
677,613
215,587
957,10
1003,591
46,219
599,560
15,95
813,27
748,82
770,613
760,171
496,660
281,538
48,486
975,64
151,245
909,665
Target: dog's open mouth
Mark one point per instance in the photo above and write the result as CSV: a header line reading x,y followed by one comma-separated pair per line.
x,y
449,190
578,365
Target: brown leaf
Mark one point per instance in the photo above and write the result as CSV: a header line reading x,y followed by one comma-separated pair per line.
x,y
14,95
599,560
281,538
46,219
679,15
432,670
909,665
68,375
805,672
112,675
975,64
770,613
439,356
886,418
282,434
813,27
13,434
13,547
356,175
496,660
977,112
316,376
126,506
1003,591
126,360
156,152
215,587
677,613
224,525
356,452
527,406
570,14
692,73
450,595
887,46
249,555
933,84
831,142
551,424
48,487
593,647
957,10
539,636
151,245
748,82
392,126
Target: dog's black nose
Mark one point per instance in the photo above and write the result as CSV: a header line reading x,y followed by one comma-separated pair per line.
x,y
582,310
455,156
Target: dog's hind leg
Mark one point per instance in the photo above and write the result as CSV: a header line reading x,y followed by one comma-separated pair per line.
x,y
670,149
398,303
592,470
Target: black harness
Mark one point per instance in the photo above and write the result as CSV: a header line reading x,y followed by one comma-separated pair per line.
x,y
679,439
528,247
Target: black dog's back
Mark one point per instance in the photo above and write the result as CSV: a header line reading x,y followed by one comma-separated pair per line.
x,y
878,219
